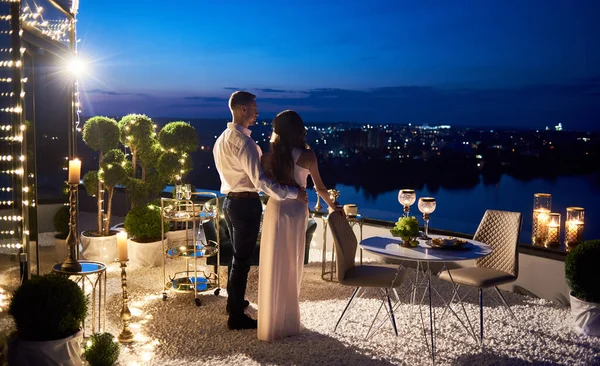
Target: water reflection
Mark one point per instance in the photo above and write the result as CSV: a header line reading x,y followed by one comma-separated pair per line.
x,y
461,209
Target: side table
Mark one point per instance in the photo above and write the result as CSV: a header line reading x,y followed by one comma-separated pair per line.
x,y
352,220
95,274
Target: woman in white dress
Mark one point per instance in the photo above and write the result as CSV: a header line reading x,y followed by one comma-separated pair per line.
x,y
283,233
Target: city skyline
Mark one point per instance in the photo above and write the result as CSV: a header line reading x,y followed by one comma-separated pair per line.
x,y
531,64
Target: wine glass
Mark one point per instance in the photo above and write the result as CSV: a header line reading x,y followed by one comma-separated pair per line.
x,y
426,206
407,197
188,191
178,192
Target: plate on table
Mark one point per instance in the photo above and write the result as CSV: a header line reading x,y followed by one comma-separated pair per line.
x,y
450,243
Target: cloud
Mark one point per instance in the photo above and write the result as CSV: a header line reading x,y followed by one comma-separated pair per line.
x,y
105,92
268,90
575,104
207,99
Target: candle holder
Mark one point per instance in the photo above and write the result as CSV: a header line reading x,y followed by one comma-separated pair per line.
x,y
334,194
553,237
126,335
426,205
407,198
574,226
318,205
71,264
542,203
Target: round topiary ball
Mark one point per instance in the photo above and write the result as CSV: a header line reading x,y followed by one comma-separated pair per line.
x,y
581,271
61,221
102,349
48,307
143,223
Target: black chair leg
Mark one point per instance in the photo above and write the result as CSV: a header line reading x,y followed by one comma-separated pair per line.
x,y
387,293
481,315
346,308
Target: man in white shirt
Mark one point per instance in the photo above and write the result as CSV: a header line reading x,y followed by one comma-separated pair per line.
x,y
237,158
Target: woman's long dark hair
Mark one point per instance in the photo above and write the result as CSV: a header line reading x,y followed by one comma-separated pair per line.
x,y
289,133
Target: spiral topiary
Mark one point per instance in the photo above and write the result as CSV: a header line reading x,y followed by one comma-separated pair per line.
x,y
581,271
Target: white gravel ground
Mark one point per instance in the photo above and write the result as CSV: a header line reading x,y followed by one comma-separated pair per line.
x,y
176,332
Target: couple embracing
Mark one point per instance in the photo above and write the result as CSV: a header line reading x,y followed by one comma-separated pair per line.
x,y
281,174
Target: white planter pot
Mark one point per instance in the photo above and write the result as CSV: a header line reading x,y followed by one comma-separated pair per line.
x,y
99,248
586,316
145,254
61,251
66,351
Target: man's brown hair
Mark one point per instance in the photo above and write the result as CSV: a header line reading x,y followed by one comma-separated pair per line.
x,y
240,98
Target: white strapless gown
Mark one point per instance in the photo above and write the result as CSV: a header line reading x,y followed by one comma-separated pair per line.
x,y
282,244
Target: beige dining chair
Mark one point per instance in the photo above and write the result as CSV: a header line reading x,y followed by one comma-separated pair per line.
x,y
384,277
500,230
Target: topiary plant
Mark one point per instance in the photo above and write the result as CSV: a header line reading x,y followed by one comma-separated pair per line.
x,y
101,350
48,307
143,223
61,222
581,271
102,134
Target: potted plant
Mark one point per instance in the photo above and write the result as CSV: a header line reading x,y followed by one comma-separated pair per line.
x,y
407,228
581,274
61,225
101,350
156,159
48,311
144,227
178,139
102,134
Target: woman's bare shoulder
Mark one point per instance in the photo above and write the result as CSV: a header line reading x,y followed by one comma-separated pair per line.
x,y
307,157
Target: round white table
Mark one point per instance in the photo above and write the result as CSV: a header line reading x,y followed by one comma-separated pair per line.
x,y
423,254
390,247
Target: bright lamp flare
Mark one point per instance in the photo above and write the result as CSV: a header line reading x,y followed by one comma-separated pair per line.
x,y
76,66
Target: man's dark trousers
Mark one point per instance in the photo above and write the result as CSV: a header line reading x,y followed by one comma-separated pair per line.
x,y
243,215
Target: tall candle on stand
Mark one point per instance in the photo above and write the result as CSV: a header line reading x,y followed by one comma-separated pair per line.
x,y
574,226
74,171
122,255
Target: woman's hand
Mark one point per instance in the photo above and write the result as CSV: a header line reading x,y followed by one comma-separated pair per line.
x,y
337,208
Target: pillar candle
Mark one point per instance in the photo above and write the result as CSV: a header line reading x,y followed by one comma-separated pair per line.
x,y
573,232
122,255
74,171
540,225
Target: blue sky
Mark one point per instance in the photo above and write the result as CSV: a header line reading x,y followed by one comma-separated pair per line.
x,y
529,63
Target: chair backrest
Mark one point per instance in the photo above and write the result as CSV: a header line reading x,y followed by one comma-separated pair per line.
x,y
500,230
345,243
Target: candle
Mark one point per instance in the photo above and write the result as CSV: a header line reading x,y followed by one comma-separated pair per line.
x,y
553,237
122,247
574,226
573,232
540,225
74,171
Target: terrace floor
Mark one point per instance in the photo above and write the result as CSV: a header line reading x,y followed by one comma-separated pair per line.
x,y
176,332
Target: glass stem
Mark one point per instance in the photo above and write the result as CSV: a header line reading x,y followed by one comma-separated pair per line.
x,y
427,228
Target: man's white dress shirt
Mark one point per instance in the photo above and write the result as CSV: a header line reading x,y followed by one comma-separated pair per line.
x,y
237,158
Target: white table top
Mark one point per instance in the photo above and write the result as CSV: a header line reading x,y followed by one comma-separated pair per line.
x,y
388,246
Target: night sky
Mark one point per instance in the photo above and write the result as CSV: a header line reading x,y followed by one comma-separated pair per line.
x,y
528,63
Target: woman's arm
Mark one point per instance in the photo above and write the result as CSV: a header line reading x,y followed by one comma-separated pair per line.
x,y
316,177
